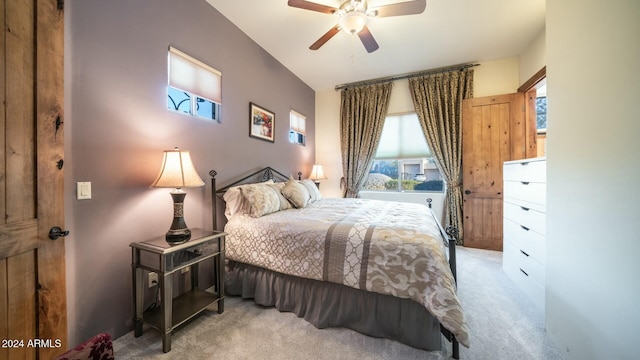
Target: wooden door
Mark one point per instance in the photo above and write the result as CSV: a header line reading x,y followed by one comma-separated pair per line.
x,y
494,129
33,314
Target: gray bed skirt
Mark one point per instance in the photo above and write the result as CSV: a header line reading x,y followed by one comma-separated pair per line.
x,y
325,304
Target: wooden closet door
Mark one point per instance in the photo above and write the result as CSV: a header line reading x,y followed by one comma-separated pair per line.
x,y
32,276
494,129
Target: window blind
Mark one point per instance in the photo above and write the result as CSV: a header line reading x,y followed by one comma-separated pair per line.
x,y
194,76
297,122
402,138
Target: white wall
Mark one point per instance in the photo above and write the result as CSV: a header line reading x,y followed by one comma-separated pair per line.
x,y
593,232
328,141
533,58
490,78
496,77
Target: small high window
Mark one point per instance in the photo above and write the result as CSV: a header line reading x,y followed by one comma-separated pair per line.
x,y
194,87
297,128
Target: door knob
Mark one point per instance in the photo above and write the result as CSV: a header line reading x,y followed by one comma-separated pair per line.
x,y
57,232
467,192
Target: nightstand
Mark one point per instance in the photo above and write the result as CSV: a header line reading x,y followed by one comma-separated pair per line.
x,y
156,255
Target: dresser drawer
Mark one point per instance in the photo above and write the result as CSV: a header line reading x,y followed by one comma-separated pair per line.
x,y
521,273
534,170
534,290
526,216
527,241
515,260
532,192
530,267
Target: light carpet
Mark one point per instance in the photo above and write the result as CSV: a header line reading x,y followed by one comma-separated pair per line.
x,y
503,324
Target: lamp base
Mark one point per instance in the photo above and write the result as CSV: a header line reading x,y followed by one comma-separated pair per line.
x,y
175,237
178,232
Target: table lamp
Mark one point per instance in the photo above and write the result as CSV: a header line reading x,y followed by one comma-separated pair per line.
x,y
177,172
317,174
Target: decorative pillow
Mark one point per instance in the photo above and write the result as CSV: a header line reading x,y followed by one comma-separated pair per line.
x,y
261,199
284,203
314,192
235,201
296,193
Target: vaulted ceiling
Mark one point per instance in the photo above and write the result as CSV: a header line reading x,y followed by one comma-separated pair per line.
x,y
448,32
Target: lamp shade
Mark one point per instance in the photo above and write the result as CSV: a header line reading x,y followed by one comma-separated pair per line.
x,y
317,173
177,171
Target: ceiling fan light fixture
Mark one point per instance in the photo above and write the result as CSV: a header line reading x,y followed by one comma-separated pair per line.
x,y
353,22
353,16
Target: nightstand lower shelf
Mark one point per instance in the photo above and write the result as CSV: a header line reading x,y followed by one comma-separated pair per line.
x,y
185,307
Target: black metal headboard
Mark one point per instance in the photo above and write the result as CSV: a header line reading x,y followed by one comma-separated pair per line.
x,y
262,175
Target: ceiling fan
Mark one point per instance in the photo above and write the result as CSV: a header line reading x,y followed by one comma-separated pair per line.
x,y
354,15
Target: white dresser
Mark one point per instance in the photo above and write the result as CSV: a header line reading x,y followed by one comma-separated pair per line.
x,y
525,225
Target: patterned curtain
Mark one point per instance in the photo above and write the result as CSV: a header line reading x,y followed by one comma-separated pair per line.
x,y
438,102
362,113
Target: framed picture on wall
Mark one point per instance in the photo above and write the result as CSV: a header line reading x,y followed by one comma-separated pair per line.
x,y
262,123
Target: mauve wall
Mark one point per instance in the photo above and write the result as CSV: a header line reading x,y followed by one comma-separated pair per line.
x,y
117,125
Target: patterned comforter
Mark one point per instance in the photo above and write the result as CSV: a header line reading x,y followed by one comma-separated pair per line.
x,y
385,247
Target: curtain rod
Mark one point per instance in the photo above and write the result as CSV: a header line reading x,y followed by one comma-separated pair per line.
x,y
406,76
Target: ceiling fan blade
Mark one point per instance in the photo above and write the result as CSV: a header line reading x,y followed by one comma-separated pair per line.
x,y
367,40
324,38
307,5
403,8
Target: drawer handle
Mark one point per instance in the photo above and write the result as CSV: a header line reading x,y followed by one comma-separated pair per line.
x,y
524,227
524,182
524,163
524,253
524,208
524,272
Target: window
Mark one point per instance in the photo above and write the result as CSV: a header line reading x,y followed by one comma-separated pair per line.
x,y
297,128
403,161
541,117
195,88
541,108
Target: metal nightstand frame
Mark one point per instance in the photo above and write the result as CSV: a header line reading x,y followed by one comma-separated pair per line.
x,y
156,255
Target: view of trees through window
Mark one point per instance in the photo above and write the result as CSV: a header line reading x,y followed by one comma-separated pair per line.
x,y
541,112
404,175
541,107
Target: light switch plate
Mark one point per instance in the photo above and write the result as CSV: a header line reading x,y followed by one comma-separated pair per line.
x,y
83,190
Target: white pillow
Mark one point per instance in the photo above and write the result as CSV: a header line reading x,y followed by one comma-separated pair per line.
x,y
234,202
314,192
296,193
284,203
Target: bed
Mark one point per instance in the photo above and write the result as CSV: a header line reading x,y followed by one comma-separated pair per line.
x,y
377,267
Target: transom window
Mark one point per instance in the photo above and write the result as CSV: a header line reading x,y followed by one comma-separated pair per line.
x,y
194,87
403,161
297,128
